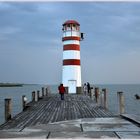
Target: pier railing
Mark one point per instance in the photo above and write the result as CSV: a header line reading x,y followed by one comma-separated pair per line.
x,y
36,96
101,98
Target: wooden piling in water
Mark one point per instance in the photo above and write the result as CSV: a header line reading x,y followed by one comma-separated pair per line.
x,y
105,97
78,90
24,102
8,109
33,96
121,102
46,91
91,92
101,98
66,90
38,96
97,94
43,93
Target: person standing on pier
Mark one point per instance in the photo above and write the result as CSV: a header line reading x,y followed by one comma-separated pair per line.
x,y
88,87
85,89
62,91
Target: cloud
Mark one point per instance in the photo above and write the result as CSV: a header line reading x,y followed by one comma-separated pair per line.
x,y
4,6
9,30
18,7
31,33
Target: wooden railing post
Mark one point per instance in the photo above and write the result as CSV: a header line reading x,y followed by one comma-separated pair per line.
x,y
38,95
101,98
97,95
8,108
24,101
46,91
121,102
33,96
91,92
43,94
66,90
105,97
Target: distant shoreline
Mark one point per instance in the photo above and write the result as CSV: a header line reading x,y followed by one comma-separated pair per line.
x,y
10,85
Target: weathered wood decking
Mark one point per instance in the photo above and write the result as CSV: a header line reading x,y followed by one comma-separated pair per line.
x,y
52,109
77,116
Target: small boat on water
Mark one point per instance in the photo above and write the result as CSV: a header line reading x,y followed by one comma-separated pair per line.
x,y
137,96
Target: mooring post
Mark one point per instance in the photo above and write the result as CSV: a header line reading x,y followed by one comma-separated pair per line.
x,y
43,92
121,102
24,101
46,91
97,94
91,92
33,96
38,95
101,98
105,97
8,109
67,90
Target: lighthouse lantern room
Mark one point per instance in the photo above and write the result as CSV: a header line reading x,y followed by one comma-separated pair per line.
x,y
71,72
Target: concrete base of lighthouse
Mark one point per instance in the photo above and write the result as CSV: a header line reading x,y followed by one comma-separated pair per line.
x,y
71,78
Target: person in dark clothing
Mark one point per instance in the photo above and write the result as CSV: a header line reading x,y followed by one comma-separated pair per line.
x,y
85,89
62,90
88,87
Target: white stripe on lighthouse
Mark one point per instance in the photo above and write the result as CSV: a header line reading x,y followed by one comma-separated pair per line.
x,y
71,73
71,33
71,42
71,54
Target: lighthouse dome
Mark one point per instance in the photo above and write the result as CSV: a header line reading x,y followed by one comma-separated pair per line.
x,y
71,22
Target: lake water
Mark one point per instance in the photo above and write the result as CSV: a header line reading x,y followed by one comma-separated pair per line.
x,y
15,93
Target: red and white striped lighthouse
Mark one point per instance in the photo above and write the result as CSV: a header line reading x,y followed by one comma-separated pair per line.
x,y
71,73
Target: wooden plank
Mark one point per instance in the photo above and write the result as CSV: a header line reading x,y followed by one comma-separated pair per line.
x,y
132,117
82,135
129,135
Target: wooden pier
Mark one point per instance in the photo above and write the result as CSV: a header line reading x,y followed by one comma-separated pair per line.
x,y
79,115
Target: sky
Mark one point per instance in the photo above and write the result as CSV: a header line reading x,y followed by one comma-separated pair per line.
x,y
31,41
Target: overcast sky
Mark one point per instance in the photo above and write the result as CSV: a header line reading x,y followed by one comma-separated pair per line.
x,y
31,41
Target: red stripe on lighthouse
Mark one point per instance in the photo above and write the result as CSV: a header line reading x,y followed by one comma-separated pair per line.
x,y
71,47
71,38
71,62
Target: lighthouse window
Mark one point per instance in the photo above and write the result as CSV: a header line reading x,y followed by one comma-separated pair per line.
x,y
68,27
77,27
73,27
65,28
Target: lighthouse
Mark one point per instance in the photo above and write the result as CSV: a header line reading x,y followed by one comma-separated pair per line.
x,y
71,69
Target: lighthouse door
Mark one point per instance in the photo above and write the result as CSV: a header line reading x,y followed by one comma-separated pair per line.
x,y
72,86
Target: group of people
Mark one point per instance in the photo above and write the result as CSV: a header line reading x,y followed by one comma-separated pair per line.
x,y
86,88
62,90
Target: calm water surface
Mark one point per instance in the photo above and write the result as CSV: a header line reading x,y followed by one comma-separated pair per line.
x,y
131,104
15,93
